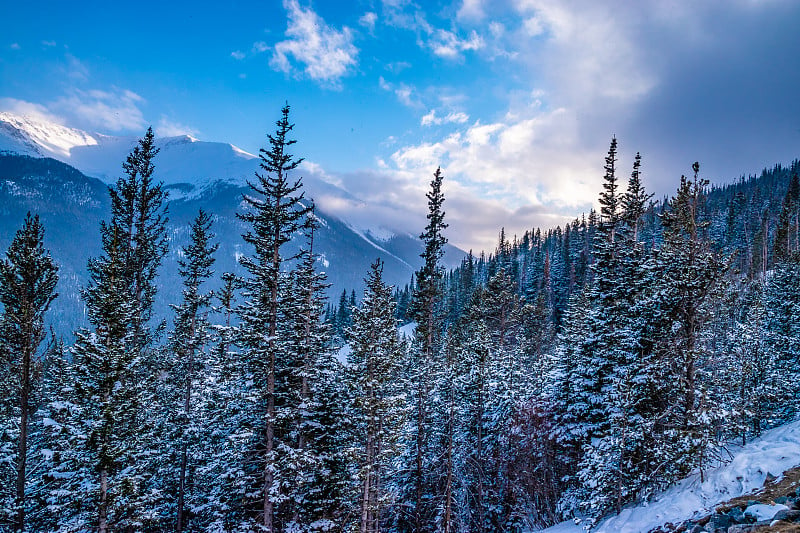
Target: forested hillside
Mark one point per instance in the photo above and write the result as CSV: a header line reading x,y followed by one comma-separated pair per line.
x,y
570,372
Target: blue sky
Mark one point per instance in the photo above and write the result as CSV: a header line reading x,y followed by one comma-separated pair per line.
x,y
517,100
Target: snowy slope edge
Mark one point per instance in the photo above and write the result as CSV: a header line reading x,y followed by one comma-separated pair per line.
x,y
774,452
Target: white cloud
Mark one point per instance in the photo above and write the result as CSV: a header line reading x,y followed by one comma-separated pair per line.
x,y
454,117
525,170
238,55
533,26
590,70
368,20
406,94
471,10
76,69
327,54
316,169
114,110
497,29
591,56
37,111
397,66
260,47
14,46
443,43
539,163
448,45
169,128
48,44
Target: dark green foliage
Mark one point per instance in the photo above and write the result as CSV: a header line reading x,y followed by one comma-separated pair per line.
x,y
377,387
187,368
104,433
426,310
267,337
28,279
576,369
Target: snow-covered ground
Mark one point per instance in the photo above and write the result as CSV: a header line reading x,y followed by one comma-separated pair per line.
x,y
774,452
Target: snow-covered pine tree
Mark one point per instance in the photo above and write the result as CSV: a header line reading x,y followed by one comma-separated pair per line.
x,y
55,375
586,364
188,342
28,278
223,409
604,298
503,313
615,463
139,214
569,409
782,324
311,407
468,352
107,433
276,212
688,273
786,234
416,483
750,379
378,388
483,387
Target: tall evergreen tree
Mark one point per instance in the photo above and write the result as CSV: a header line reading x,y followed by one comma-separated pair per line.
x,y
107,445
786,233
375,379
689,271
28,279
426,310
276,213
188,340
139,216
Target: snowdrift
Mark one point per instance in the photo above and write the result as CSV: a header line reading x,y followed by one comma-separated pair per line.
x,y
774,452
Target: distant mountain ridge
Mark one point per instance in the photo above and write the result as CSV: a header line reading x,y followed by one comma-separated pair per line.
x,y
63,174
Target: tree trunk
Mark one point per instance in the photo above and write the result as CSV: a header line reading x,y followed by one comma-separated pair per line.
x,y
184,453
186,410
269,477
102,522
419,444
448,493
23,432
366,496
479,444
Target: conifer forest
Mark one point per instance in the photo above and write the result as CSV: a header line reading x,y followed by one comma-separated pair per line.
x,y
569,372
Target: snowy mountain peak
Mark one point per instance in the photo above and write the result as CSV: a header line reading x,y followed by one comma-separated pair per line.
x,y
35,136
182,159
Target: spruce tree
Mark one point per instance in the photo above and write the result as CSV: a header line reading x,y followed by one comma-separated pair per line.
x,y
426,310
223,409
377,387
188,340
503,315
311,407
689,271
589,360
276,212
28,278
107,434
787,231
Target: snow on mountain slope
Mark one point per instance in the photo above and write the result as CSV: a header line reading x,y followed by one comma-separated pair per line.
x,y
31,136
189,167
182,159
774,452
